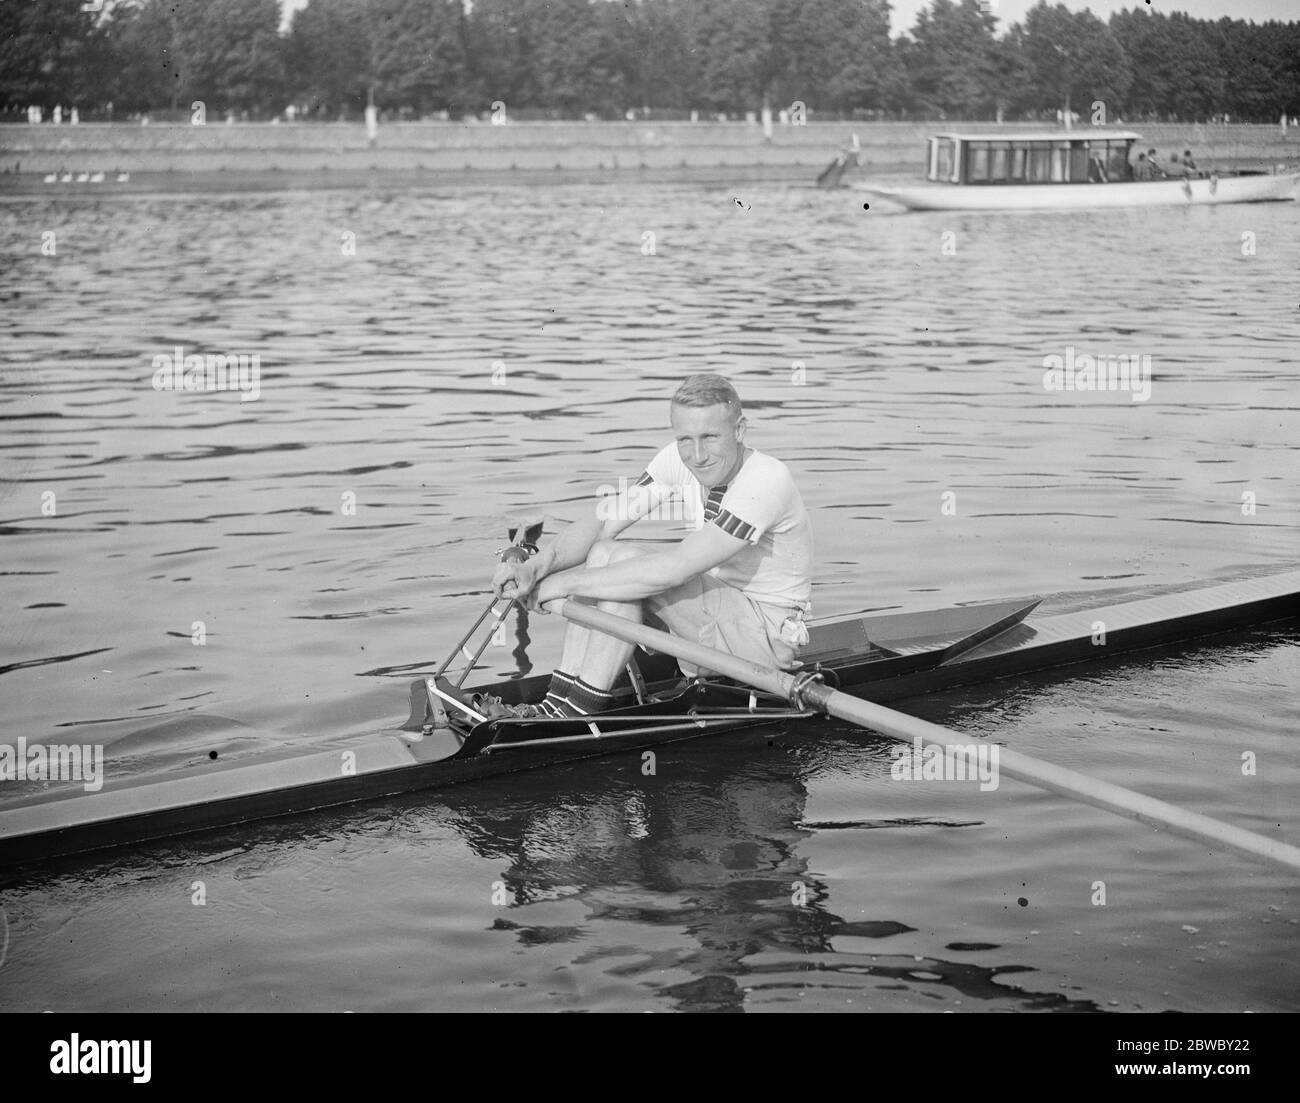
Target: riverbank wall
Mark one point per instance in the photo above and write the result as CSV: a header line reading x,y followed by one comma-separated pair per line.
x,y
259,156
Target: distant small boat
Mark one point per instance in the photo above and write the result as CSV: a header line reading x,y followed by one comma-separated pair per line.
x,y
96,177
1063,171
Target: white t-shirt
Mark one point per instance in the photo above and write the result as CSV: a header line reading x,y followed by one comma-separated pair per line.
x,y
761,505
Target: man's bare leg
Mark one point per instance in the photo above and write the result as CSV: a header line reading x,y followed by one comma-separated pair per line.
x,y
594,659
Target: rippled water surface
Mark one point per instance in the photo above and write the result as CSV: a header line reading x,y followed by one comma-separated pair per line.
x,y
503,351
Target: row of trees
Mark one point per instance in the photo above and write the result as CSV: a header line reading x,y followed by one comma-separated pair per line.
x,y
569,58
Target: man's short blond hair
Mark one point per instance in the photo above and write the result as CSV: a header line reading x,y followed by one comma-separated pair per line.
x,y
709,390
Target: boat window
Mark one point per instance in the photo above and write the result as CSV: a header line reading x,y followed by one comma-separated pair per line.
x,y
1079,164
1117,164
998,165
1040,158
941,160
1060,163
1017,171
977,170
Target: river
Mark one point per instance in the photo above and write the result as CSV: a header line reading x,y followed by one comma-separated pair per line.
x,y
192,570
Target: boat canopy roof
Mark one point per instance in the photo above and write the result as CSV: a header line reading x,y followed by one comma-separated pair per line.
x,y
1047,136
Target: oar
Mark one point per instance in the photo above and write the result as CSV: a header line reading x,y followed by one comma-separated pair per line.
x,y
803,692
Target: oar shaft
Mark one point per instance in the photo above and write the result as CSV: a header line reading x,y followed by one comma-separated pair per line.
x,y
1101,794
1058,779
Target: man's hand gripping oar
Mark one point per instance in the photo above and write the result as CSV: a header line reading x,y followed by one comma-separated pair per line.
x,y
518,573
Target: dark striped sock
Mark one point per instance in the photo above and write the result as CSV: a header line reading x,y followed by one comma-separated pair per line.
x,y
587,698
576,698
557,694
561,683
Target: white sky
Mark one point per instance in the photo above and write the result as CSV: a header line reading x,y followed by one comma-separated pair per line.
x,y
1013,11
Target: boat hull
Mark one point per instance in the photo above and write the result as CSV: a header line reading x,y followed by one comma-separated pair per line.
x,y
1211,191
880,659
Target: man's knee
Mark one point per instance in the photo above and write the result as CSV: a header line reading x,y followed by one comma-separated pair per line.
x,y
605,552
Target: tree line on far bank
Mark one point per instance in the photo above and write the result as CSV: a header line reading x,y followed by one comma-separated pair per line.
x,y
585,58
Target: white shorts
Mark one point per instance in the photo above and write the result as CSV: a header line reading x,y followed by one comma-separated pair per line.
x,y
720,616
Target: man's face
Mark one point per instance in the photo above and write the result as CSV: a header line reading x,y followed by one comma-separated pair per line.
x,y
709,441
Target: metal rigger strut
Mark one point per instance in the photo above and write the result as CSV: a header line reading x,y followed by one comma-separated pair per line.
x,y
429,695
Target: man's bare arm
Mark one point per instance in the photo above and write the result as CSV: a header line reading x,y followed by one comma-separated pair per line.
x,y
643,575
569,549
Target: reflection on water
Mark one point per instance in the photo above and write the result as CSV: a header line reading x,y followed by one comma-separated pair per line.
x,y
715,854
186,571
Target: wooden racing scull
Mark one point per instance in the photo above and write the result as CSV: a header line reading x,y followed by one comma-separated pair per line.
x,y
871,658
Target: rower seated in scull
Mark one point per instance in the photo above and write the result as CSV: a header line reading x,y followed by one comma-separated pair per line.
x,y
740,582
